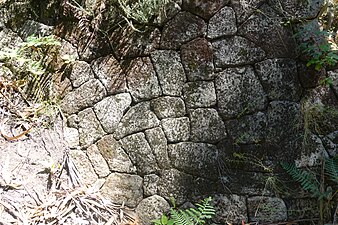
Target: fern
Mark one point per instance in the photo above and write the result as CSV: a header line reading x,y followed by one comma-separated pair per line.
x,y
331,168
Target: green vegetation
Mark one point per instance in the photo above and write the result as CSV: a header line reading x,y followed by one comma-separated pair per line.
x,y
192,216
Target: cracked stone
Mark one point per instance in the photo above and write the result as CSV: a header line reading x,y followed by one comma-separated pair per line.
x,y
84,166
176,129
167,106
223,23
99,163
199,94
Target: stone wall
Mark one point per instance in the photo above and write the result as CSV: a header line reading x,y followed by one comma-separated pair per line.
x,y
162,113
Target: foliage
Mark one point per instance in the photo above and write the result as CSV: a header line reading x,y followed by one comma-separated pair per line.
x,y
192,216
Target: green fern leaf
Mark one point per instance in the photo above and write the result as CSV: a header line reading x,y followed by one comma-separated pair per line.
x,y
331,168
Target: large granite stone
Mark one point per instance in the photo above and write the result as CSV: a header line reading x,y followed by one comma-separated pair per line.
x,y
182,28
140,153
116,158
176,129
109,72
90,129
151,208
203,8
279,78
8,39
150,183
31,27
99,163
158,143
223,23
195,158
83,166
235,51
123,189
197,59
245,8
269,33
239,92
142,80
167,106
137,118
229,209
71,136
170,71
110,110
266,209
85,96
206,126
248,129
80,72
199,94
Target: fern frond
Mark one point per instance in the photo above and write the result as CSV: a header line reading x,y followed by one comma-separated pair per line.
x,y
331,168
307,180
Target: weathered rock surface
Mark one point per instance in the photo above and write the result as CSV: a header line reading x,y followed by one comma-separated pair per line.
x,y
80,73
31,27
8,38
167,106
239,92
245,8
99,163
199,94
176,129
71,136
84,166
151,208
171,77
206,126
123,189
223,23
150,184
202,8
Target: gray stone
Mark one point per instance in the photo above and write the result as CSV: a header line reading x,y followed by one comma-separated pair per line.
x,y
8,39
90,129
150,184
110,110
67,51
199,94
266,209
140,153
31,27
334,77
85,96
80,73
245,8
99,163
330,144
83,166
223,23
182,28
123,189
203,8
137,118
312,153
279,78
167,106
229,209
197,59
142,80
250,129
176,129
170,71
73,121
195,158
151,208
158,144
302,208
269,33
239,92
71,136
206,126
236,51
115,156
109,72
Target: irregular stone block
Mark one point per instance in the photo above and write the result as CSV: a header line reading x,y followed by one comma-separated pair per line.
x,y
235,51
302,209
150,184
158,144
116,157
245,8
80,72
266,209
110,110
199,94
142,80
85,96
109,72
203,8
31,27
269,33
182,28
279,78
90,128
334,77
239,92
248,129
223,23
229,209
140,153
195,158
197,59
167,106
123,189
71,136
9,39
206,126
176,129
137,118
84,167
99,163
172,78
151,208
